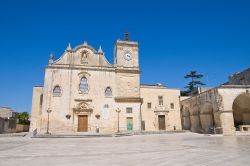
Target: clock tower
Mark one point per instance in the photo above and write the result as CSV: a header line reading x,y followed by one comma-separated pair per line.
x,y
126,61
126,53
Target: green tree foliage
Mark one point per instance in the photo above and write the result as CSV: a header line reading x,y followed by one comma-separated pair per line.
x,y
23,118
194,81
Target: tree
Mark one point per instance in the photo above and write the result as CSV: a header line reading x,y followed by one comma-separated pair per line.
x,y
23,118
194,80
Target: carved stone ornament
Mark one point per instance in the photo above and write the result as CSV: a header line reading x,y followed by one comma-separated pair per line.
x,y
219,102
68,116
83,106
84,56
97,116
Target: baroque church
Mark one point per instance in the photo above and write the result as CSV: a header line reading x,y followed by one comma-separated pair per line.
x,y
83,92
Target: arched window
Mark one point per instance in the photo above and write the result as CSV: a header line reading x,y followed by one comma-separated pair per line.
x,y
57,91
84,85
108,91
41,99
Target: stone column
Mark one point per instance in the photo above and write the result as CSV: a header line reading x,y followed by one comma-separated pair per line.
x,y
227,123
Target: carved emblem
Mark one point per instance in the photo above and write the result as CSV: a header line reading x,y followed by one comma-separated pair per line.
x,y
84,56
83,106
219,102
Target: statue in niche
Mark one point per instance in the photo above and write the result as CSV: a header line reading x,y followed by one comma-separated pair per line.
x,y
84,57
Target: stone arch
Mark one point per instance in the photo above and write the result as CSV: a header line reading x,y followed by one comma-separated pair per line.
x,y
186,118
206,117
195,119
241,110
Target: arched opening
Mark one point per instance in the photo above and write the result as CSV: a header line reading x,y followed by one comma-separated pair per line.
x,y
41,100
40,104
186,119
207,118
195,120
57,91
84,87
241,110
108,92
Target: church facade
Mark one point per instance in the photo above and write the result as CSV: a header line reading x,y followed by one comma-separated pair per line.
x,y
83,92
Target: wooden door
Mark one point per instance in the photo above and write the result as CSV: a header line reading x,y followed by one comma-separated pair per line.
x,y
161,121
83,123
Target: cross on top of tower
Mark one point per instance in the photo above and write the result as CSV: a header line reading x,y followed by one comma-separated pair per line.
x,y
126,36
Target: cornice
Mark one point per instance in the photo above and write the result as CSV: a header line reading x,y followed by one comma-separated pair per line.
x,y
128,99
94,68
137,71
83,100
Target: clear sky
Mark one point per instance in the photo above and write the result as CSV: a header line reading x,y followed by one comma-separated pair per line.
x,y
210,36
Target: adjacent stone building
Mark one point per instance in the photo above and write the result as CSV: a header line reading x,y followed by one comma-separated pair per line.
x,y
6,112
160,108
225,109
7,120
83,92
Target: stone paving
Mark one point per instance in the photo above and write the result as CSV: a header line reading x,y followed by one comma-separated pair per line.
x,y
161,150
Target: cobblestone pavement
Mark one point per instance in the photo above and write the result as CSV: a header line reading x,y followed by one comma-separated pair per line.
x,y
163,149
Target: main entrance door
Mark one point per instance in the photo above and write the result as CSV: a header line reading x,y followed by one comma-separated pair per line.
x,y
82,123
161,121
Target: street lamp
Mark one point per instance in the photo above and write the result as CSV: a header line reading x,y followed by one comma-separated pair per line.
x,y
48,111
118,111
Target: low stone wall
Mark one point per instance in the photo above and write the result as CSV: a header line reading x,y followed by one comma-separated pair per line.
x,y
10,126
22,128
7,125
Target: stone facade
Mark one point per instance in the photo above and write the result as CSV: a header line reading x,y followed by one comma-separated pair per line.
x,y
83,92
152,110
223,108
6,112
7,120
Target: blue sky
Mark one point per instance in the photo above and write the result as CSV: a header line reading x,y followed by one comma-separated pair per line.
x,y
210,36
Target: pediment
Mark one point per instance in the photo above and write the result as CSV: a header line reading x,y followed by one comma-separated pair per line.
x,y
83,55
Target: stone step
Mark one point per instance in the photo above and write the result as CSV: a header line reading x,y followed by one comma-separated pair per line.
x,y
81,135
90,135
160,132
23,134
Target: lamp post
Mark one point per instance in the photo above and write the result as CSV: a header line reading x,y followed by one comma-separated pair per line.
x,y
118,111
48,111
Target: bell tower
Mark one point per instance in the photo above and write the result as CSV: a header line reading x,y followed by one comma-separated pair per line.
x,y
126,53
127,68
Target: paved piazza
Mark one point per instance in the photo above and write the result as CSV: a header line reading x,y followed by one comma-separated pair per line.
x,y
165,149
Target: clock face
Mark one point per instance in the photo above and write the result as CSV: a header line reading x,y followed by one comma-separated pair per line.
x,y
127,56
